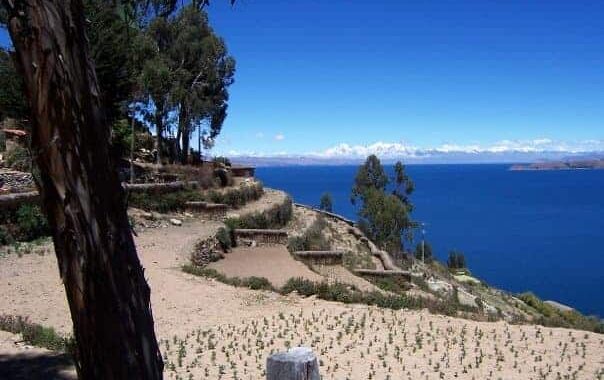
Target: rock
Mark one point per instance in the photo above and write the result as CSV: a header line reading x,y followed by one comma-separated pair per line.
x,y
466,298
298,363
176,222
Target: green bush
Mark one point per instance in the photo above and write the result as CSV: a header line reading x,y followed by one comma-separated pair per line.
x,y
31,222
2,141
224,238
35,334
553,317
312,239
349,294
255,283
276,217
18,158
163,202
5,237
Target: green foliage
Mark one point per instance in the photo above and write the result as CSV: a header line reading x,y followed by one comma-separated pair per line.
x,y
163,202
35,334
424,252
348,294
326,202
383,217
553,317
255,283
12,97
18,158
186,72
276,217
239,196
2,141
312,239
370,175
456,260
224,238
404,186
6,237
26,223
31,222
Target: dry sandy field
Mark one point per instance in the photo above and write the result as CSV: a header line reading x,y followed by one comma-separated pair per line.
x,y
209,330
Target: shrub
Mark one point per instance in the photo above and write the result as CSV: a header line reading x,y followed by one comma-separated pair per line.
x,y
224,238
276,217
255,283
2,141
18,158
326,202
163,202
35,334
424,252
456,260
312,239
5,237
31,222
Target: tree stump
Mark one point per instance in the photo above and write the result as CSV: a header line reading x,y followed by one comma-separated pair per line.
x,y
298,363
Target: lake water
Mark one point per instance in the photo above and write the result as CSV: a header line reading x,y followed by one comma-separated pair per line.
x,y
520,230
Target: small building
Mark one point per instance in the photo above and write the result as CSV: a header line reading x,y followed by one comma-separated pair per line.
x,y
243,171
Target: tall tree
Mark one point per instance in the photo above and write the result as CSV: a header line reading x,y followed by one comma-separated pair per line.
x,y
385,218
188,74
108,296
12,98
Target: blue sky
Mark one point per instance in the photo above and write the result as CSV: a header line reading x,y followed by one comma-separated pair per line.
x,y
345,76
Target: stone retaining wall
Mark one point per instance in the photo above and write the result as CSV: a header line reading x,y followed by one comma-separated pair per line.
x,y
320,257
12,181
377,274
260,237
212,211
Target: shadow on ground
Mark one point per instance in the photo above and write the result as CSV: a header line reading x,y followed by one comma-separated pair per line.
x,y
36,366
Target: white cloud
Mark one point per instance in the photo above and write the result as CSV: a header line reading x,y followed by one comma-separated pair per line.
x,y
279,137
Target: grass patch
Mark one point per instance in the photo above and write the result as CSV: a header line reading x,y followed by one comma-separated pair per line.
x,y
25,223
312,239
553,317
175,201
275,217
255,283
36,335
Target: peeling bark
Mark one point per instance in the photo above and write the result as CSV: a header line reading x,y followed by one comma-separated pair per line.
x,y
107,293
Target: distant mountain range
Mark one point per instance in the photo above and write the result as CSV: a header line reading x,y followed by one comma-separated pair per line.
x,y
541,158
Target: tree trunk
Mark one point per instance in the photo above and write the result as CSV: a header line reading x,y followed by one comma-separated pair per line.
x,y
107,293
185,133
159,125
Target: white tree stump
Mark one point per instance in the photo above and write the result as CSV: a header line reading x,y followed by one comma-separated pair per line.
x,y
298,363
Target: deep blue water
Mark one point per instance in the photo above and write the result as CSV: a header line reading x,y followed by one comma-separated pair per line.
x,y
535,230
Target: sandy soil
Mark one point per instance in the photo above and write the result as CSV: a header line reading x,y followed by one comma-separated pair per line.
x,y
273,262
211,330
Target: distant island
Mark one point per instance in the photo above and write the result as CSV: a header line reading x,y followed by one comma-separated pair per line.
x,y
561,165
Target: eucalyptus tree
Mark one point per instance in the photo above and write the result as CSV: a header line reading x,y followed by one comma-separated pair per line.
x,y
187,73
384,217
203,71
